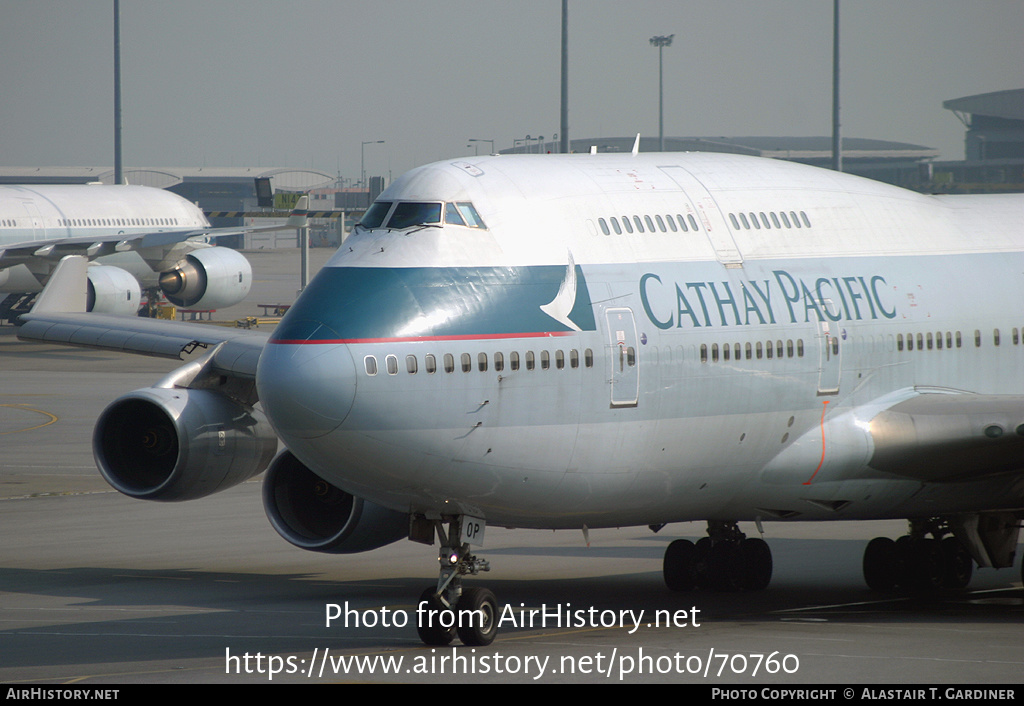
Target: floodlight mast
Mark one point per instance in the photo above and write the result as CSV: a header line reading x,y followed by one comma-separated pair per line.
x,y
661,42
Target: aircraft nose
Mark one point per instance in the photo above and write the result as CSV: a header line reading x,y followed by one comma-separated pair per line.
x,y
306,388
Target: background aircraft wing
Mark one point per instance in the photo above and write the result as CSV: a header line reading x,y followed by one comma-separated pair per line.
x,y
156,247
59,317
91,247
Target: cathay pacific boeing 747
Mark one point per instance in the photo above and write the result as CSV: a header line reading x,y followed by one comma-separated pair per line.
x,y
584,341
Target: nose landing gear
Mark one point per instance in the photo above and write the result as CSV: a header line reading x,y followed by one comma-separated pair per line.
x,y
448,610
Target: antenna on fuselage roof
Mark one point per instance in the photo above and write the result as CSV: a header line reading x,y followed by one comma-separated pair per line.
x,y
636,145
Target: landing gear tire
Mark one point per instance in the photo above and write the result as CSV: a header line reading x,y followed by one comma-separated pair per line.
x,y
880,564
723,569
702,564
724,561
918,563
753,559
678,565
478,617
429,623
957,565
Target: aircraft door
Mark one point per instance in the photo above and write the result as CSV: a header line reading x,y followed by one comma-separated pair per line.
x,y
829,355
714,225
622,357
34,220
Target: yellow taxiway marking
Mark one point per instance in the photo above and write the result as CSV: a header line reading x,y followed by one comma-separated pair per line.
x,y
51,418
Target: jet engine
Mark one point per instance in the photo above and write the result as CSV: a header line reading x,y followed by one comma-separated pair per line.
x,y
208,278
173,444
112,291
312,514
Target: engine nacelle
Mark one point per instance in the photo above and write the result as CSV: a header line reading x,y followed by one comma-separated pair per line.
x,y
312,514
112,290
208,278
178,444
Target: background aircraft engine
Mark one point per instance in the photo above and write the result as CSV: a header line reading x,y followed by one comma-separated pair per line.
x,y
112,291
312,514
208,278
173,444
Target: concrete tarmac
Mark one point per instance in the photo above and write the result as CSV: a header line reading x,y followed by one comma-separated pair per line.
x,y
97,588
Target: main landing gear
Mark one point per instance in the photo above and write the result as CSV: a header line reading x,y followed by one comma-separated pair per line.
x,y
449,609
725,560
916,562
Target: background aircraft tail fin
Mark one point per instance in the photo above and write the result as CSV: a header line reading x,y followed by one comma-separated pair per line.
x,y
299,217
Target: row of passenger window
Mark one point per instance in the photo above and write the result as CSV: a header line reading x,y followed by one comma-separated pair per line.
x,y
769,220
666,224
529,361
756,350
919,341
949,339
772,219
77,222
72,222
713,353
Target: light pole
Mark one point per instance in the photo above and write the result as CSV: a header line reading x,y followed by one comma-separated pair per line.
x,y
837,139
661,43
118,161
564,124
362,159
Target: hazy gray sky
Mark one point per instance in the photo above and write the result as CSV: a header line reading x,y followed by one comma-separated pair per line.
x,y
302,83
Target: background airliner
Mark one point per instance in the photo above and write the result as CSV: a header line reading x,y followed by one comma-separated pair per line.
x,y
141,238
582,341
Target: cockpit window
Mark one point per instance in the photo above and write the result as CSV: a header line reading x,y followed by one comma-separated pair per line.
x,y
413,213
451,215
410,214
374,216
469,213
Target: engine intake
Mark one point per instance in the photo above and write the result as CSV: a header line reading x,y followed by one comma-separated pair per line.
x,y
313,514
174,444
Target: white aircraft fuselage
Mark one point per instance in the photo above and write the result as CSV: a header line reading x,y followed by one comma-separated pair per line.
x,y
610,340
136,238
51,212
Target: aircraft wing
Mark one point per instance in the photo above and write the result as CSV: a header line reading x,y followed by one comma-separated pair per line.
x,y
924,434
59,317
949,437
91,247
